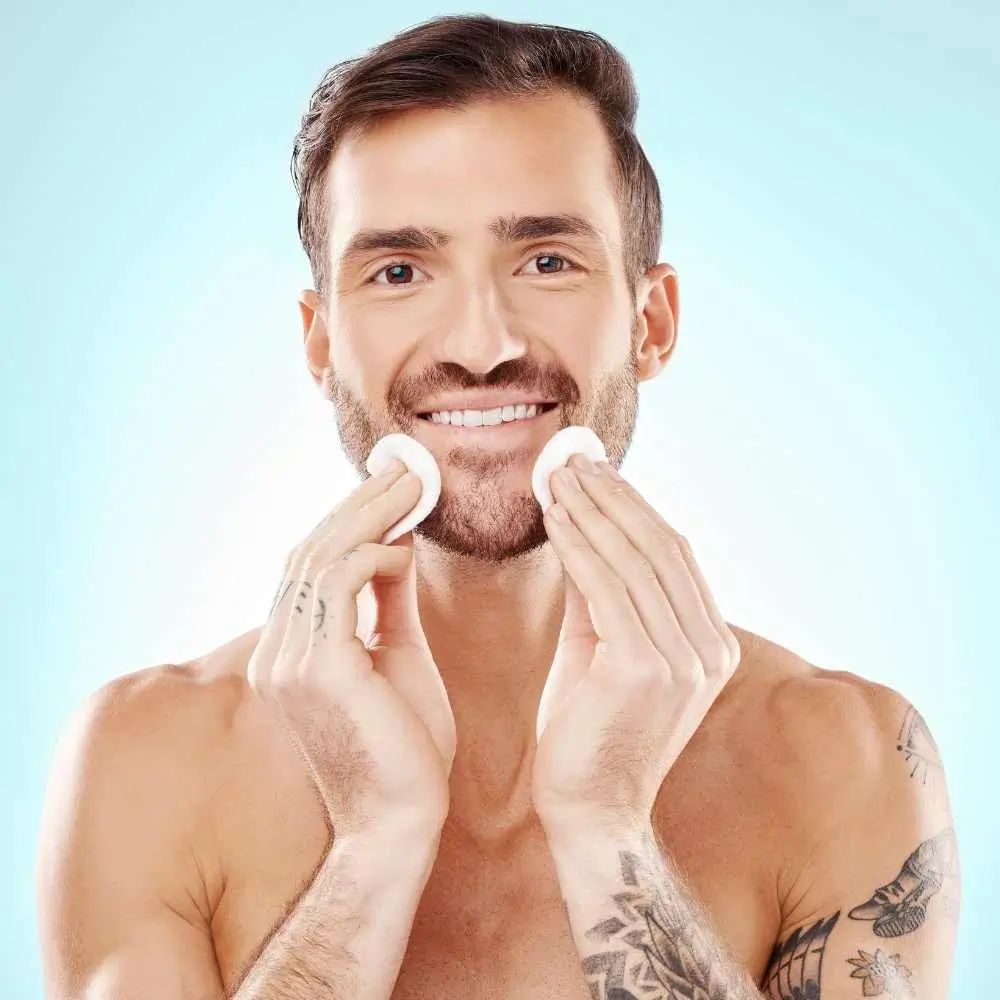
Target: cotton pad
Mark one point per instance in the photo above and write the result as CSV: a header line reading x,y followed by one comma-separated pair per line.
x,y
420,462
557,452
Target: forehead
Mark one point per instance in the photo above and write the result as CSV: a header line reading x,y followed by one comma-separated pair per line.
x,y
459,169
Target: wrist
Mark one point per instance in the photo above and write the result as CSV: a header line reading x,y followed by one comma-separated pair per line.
x,y
574,830
593,848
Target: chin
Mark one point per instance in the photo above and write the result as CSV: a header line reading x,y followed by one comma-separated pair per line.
x,y
494,532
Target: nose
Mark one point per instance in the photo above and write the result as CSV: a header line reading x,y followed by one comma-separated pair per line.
x,y
480,337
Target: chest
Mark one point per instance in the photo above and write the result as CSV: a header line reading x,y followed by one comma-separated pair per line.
x,y
490,922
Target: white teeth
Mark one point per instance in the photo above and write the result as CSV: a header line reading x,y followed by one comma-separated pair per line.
x,y
485,418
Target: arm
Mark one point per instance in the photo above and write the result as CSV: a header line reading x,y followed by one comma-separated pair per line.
x,y
117,917
878,917
639,930
880,897
347,934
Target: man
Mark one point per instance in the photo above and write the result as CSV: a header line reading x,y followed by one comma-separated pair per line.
x,y
612,789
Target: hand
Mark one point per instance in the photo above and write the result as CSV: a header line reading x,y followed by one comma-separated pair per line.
x,y
642,653
373,723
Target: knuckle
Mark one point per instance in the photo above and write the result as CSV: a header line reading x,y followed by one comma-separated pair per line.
x,y
644,571
671,543
693,666
719,654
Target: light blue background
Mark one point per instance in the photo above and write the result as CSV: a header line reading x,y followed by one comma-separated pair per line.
x,y
823,435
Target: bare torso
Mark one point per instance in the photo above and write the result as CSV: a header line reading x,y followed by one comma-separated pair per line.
x,y
491,922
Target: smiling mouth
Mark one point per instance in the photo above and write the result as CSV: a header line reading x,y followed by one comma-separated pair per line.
x,y
485,419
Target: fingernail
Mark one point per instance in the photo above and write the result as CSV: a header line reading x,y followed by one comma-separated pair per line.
x,y
568,478
559,513
584,464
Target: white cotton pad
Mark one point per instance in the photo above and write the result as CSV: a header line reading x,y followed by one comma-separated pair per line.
x,y
420,462
557,452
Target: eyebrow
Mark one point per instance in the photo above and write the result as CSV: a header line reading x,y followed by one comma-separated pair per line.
x,y
507,229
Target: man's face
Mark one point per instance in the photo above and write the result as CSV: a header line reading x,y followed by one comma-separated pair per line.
x,y
482,304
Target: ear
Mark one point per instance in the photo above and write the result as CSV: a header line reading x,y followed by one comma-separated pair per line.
x,y
658,305
314,332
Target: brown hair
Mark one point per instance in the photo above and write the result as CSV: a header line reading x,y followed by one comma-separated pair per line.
x,y
451,61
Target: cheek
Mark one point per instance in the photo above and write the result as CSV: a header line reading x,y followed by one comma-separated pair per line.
x,y
591,333
368,342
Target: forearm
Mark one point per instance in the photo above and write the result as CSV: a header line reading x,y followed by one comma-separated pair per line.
x,y
635,923
347,934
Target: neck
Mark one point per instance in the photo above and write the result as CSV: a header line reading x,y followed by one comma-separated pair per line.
x,y
492,629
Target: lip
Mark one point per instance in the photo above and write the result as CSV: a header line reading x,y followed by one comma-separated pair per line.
x,y
504,435
483,401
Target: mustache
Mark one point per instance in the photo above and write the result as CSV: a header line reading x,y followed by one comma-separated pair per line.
x,y
518,374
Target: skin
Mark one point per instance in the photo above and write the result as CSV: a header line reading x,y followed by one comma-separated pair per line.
x,y
804,824
577,336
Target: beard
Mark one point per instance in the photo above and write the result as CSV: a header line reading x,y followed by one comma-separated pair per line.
x,y
479,514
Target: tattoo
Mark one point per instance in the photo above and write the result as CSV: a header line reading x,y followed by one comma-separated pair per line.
x,y
319,617
303,596
882,974
917,745
900,907
656,945
796,964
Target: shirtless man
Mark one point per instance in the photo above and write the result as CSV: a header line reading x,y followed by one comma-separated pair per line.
x,y
298,815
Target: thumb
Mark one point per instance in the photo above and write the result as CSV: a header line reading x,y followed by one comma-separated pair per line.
x,y
574,652
396,618
402,656
576,623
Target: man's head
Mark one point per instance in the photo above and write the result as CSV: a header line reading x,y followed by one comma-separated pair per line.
x,y
480,220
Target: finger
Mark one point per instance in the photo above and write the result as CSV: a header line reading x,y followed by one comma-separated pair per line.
x,y
567,671
401,654
621,558
365,524
722,630
616,620
397,618
324,619
358,498
659,522
383,500
645,547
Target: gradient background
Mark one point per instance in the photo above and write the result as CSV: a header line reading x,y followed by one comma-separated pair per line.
x,y
830,183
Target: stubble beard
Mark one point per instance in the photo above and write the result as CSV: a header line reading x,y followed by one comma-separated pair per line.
x,y
482,521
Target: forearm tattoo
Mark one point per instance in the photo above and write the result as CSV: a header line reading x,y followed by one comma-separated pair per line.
x,y
658,945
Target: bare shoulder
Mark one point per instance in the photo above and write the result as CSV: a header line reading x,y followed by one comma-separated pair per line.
x,y
156,738
168,715
124,852
829,738
811,713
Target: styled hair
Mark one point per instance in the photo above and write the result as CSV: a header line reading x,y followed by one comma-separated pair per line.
x,y
451,62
